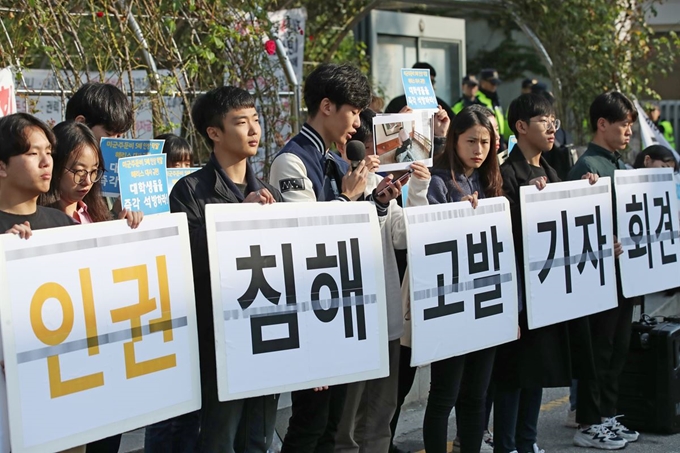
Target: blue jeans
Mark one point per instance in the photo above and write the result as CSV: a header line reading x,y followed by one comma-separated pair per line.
x,y
515,419
176,435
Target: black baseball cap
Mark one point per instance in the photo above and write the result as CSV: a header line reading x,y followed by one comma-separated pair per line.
x,y
490,75
528,83
538,88
470,80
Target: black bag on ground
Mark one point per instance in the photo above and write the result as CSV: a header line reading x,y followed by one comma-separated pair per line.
x,y
649,387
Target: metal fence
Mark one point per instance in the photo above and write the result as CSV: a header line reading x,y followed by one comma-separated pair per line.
x,y
670,111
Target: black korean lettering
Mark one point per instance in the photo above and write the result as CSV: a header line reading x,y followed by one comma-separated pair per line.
x,y
442,308
548,227
495,293
324,280
483,266
496,249
475,249
257,263
587,252
567,252
352,285
665,224
635,229
551,227
643,231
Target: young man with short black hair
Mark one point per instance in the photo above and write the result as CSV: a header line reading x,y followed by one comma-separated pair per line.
x,y
228,121
103,107
611,120
107,111
539,358
305,170
26,145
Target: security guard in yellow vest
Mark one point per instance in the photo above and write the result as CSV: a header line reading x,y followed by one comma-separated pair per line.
x,y
664,126
488,96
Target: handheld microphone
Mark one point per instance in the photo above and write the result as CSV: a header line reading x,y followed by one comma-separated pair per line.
x,y
356,152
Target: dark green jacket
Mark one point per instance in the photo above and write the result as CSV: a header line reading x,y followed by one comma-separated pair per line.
x,y
597,160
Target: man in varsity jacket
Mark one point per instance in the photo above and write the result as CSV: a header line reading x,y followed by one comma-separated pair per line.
x,y
305,170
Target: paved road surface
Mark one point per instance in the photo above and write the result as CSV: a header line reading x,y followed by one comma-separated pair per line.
x,y
553,436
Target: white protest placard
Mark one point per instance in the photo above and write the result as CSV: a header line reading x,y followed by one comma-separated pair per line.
x,y
463,283
649,133
402,138
568,251
5,446
298,296
646,208
98,329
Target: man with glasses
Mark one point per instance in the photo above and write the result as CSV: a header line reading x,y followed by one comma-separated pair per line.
x,y
540,358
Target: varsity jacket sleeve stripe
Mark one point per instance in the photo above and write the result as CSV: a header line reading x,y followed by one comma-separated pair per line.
x,y
289,175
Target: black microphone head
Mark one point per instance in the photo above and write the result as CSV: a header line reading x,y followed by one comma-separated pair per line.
x,y
356,150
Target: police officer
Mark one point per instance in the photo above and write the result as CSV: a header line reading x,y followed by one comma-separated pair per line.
x,y
488,96
664,126
470,89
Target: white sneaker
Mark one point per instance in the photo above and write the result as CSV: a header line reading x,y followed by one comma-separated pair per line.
x,y
571,419
485,448
538,450
487,442
613,425
598,436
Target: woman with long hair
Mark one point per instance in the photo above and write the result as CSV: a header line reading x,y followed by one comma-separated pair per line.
x,y
76,177
75,189
467,171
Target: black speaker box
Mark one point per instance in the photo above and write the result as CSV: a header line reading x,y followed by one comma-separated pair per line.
x,y
649,387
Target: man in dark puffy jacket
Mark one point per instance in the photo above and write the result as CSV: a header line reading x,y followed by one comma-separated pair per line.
x,y
227,120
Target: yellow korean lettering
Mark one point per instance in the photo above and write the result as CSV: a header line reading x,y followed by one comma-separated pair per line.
x,y
88,308
164,322
58,387
134,314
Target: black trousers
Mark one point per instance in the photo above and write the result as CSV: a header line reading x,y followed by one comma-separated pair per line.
x,y
464,379
515,419
407,375
314,422
108,445
610,334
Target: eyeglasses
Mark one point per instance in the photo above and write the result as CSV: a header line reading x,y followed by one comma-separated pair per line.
x,y
547,124
80,176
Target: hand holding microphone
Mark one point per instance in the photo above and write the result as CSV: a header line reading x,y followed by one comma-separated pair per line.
x,y
354,182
